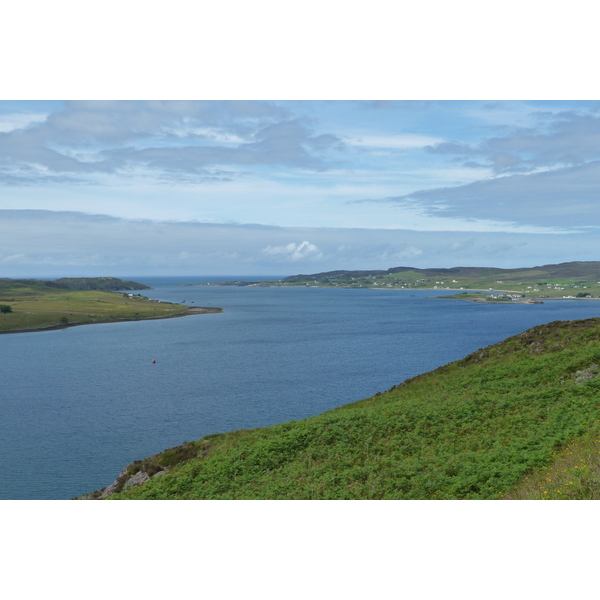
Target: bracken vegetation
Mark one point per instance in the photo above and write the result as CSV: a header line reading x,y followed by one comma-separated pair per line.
x,y
519,419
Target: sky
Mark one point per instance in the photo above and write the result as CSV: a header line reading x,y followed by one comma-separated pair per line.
x,y
247,187
249,140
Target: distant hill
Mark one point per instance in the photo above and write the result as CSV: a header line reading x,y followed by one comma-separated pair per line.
x,y
589,270
565,280
100,283
74,283
518,419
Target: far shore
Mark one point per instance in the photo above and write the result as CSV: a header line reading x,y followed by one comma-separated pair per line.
x,y
528,300
457,291
199,310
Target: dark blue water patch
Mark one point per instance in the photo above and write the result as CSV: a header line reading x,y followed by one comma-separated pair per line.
x,y
77,405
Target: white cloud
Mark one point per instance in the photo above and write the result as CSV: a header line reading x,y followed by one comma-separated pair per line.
x,y
14,258
554,200
208,133
410,252
295,252
397,142
10,122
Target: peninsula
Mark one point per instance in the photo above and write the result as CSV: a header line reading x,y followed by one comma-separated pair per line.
x,y
37,305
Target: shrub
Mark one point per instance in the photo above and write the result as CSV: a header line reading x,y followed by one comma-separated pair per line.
x,y
5,308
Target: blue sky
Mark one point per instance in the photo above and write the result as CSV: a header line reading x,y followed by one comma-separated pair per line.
x,y
282,187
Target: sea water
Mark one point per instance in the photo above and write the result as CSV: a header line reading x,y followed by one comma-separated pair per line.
x,y
79,404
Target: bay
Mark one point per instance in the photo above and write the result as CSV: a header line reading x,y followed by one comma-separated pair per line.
x,y
79,404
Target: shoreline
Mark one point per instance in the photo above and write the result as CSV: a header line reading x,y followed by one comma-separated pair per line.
x,y
532,300
200,310
347,287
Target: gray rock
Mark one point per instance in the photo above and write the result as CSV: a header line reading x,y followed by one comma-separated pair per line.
x,y
136,479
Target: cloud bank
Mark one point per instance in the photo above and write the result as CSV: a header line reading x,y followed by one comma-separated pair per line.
x,y
176,137
47,243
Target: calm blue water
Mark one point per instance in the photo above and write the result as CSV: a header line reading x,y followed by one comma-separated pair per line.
x,y
78,404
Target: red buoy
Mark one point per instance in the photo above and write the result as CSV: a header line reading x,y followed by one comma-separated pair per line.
x,y
153,361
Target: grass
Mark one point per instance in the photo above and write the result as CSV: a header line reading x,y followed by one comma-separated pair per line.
x,y
574,473
36,307
493,425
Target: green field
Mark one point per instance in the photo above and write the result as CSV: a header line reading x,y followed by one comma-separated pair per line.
x,y
37,305
519,419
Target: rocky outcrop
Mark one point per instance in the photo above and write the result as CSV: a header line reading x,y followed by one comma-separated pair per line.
x,y
586,374
125,480
140,471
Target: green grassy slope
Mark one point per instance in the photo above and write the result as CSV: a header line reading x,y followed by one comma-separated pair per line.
x,y
478,428
32,286
100,283
38,304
